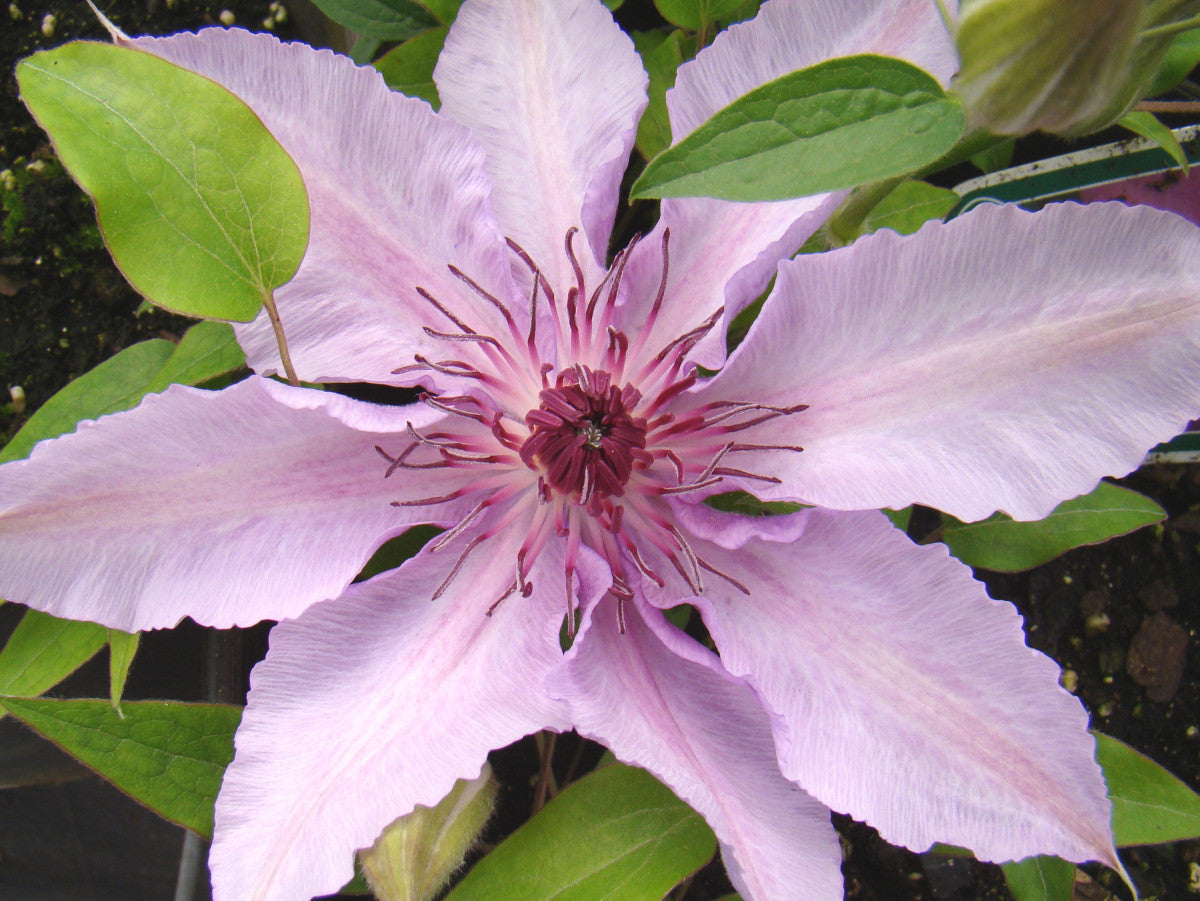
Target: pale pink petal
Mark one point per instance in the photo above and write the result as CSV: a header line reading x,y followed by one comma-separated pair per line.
x,y
902,694
722,253
1006,360
661,701
554,89
230,507
397,193
378,701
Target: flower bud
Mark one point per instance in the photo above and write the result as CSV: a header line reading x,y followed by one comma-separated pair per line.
x,y
1068,67
417,854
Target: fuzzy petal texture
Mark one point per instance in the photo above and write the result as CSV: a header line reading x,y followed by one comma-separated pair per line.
x,y
1007,360
554,89
661,701
396,192
900,692
723,253
207,504
375,702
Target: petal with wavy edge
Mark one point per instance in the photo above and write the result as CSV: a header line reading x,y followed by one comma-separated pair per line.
x,y
554,89
378,701
661,701
227,506
723,253
1007,360
901,693
396,193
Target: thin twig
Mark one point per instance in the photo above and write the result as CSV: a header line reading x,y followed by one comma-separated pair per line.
x,y
545,788
1168,106
277,325
577,757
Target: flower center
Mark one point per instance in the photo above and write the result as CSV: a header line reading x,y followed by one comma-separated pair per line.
x,y
605,456
584,439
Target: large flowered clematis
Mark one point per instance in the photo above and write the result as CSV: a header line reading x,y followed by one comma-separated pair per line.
x,y
1007,360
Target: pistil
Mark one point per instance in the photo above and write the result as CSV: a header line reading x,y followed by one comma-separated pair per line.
x,y
597,460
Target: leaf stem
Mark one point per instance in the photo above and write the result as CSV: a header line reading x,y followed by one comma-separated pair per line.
x,y
1170,28
545,742
1168,106
847,219
277,325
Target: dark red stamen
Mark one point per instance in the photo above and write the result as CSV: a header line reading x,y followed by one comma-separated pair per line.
x,y
583,437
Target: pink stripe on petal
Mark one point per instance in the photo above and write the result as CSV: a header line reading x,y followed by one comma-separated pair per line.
x,y
1007,360
229,507
660,700
902,694
554,89
396,192
725,253
378,701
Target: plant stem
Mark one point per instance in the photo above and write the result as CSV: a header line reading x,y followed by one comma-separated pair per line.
x,y
1168,106
848,218
1170,28
277,325
545,744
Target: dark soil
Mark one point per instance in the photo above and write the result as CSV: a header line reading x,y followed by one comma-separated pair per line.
x,y
1122,617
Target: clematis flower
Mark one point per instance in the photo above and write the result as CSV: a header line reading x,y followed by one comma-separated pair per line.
x,y
1007,360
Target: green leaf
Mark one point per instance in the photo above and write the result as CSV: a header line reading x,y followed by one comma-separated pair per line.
x,y
167,755
748,505
445,11
1040,879
116,384
396,550
747,9
208,350
998,543
832,126
998,156
661,58
1147,126
357,885
43,650
363,50
408,68
122,647
899,518
1182,56
909,206
388,20
679,616
692,14
202,210
1150,806
617,834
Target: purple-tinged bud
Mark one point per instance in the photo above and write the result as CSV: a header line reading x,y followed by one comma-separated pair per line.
x,y
1068,67
417,854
